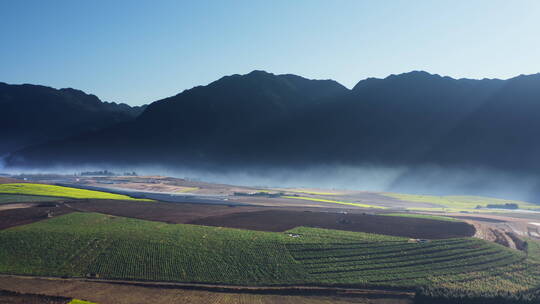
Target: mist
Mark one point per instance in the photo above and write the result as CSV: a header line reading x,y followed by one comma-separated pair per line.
x,y
429,180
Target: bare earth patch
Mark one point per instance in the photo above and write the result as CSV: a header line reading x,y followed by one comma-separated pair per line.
x,y
23,216
109,293
15,206
282,220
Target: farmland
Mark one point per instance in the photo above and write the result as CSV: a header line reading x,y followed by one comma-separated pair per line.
x,y
104,293
109,247
381,260
28,298
17,198
282,220
425,216
303,239
9,297
76,301
58,191
120,248
458,203
158,211
313,192
333,202
22,216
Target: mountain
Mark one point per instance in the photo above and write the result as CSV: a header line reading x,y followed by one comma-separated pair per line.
x,y
33,114
219,121
393,121
261,119
502,133
233,106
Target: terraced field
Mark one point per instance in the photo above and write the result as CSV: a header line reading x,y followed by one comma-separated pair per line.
x,y
108,247
512,283
394,262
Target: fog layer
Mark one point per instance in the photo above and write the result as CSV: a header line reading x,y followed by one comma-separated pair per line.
x,y
432,180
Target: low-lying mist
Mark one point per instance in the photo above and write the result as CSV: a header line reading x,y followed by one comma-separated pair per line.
x,y
432,180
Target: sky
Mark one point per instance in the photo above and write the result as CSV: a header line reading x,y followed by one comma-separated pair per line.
x,y
138,51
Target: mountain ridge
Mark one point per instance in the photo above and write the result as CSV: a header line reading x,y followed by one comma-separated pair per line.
x,y
34,114
261,117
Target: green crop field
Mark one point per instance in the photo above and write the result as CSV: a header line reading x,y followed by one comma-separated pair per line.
x,y
459,203
396,263
426,216
16,198
108,247
122,248
75,301
59,191
333,202
305,191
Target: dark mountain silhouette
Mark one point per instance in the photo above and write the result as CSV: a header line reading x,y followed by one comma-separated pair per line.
x,y
32,114
393,121
215,122
261,119
502,133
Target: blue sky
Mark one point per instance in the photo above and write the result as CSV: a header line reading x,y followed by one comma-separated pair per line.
x,y
140,51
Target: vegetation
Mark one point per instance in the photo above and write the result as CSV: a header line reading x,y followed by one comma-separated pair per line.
x,y
533,250
426,216
333,202
493,289
459,203
102,246
15,198
310,192
75,301
59,191
90,244
503,206
454,270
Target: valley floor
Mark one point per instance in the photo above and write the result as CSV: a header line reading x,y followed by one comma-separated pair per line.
x,y
302,247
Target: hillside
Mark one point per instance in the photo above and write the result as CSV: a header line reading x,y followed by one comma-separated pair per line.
x,y
109,247
200,124
499,131
33,114
261,119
